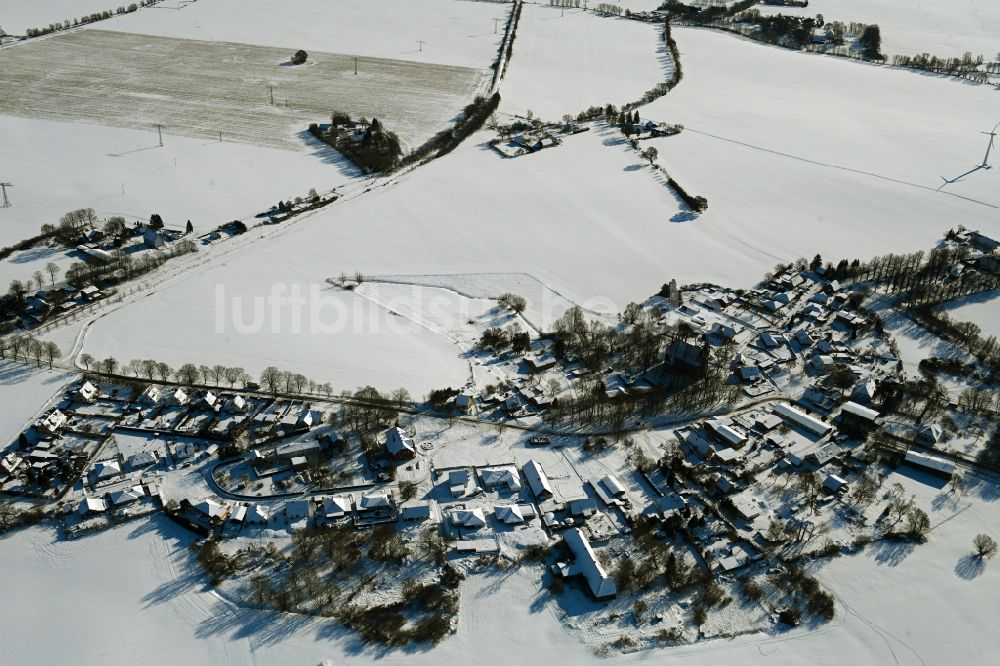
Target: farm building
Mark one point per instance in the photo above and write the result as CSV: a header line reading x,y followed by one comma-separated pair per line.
x,y
399,444
601,585
801,419
537,481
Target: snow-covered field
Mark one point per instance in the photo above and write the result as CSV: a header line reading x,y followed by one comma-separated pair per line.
x,y
945,29
16,16
57,167
251,318
981,309
567,61
454,32
23,392
791,168
145,80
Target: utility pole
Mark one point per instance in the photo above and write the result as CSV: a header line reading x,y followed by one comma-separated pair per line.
x,y
355,67
220,137
6,201
421,43
272,94
159,132
496,26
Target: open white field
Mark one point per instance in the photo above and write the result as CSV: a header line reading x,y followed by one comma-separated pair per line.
x,y
981,309
945,29
454,32
585,217
23,392
198,88
57,167
16,16
565,61
267,314
854,174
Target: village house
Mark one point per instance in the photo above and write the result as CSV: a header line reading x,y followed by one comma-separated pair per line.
x,y
180,397
586,563
53,423
470,519
537,481
399,445
88,393
152,396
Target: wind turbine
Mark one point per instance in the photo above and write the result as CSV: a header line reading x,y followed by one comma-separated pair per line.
x,y
985,164
992,134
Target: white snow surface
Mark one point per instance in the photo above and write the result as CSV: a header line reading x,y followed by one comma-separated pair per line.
x,y
980,309
16,16
23,391
943,28
800,153
566,61
57,167
455,32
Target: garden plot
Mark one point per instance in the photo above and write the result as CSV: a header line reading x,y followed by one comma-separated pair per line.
x,y
980,309
199,89
58,167
565,61
909,27
454,32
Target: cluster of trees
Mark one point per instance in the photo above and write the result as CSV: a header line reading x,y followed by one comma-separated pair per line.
x,y
378,150
990,455
608,8
368,410
277,381
500,64
694,202
497,339
89,18
870,42
473,117
28,348
796,31
323,563
566,3
71,226
215,562
803,590
967,66
701,15
11,517
513,302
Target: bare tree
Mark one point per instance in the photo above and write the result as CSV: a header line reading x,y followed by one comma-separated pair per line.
x,y
271,379
52,352
187,374
986,547
53,271
163,371
233,375
109,365
149,368
87,360
218,372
